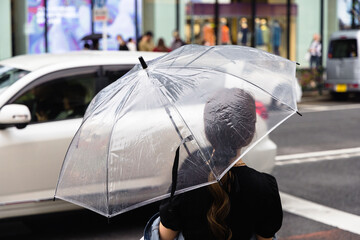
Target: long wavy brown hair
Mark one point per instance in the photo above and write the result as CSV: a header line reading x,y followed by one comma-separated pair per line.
x,y
230,118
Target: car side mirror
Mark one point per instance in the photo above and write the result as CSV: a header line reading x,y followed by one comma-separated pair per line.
x,y
15,114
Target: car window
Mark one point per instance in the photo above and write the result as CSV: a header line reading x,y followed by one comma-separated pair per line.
x,y
114,72
9,75
60,98
343,48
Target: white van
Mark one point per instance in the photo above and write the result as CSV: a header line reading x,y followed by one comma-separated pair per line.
x,y
343,64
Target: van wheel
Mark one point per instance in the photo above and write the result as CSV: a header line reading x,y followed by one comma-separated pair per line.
x,y
339,96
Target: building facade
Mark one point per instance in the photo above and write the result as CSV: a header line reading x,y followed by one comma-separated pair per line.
x,y
282,27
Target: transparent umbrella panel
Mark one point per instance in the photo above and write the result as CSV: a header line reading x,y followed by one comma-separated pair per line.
x,y
122,156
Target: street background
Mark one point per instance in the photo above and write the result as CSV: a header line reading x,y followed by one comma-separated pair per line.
x,y
318,155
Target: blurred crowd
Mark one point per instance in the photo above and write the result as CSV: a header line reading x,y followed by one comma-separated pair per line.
x,y
146,43
267,37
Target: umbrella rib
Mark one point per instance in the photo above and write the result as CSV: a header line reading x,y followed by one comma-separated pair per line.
x,y
108,150
182,49
183,120
196,58
112,94
201,54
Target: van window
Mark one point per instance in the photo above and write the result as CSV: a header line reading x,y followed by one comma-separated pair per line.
x,y
343,48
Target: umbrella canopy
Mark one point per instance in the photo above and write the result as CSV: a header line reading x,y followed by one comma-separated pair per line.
x,y
123,154
93,36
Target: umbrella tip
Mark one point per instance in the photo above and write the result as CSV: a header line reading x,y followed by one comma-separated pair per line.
x,y
298,113
143,63
297,63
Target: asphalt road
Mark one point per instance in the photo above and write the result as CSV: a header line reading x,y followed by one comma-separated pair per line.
x,y
319,130
331,181
327,181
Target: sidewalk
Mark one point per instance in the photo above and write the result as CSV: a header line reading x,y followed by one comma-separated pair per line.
x,y
314,96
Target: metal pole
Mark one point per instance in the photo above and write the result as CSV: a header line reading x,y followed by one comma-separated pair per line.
x,y
192,21
46,26
253,15
92,16
322,30
353,25
288,15
177,16
216,22
136,21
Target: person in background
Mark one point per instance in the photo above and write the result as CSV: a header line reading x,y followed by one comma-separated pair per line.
x,y
243,33
177,42
146,43
208,33
74,105
315,52
86,46
122,43
225,32
276,37
131,44
161,47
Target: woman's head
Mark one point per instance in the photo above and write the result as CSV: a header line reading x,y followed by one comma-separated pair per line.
x,y
230,117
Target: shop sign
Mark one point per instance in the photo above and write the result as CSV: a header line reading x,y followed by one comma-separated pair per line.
x,y
100,11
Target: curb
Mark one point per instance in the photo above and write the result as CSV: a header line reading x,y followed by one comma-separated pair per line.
x,y
315,96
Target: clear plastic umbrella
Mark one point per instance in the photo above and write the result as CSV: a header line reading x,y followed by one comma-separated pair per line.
x,y
122,156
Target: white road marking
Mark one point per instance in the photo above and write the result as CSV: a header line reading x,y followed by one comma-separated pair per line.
x,y
317,156
303,108
329,216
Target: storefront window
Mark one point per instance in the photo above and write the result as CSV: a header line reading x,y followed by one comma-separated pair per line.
x,y
35,26
68,22
121,21
236,25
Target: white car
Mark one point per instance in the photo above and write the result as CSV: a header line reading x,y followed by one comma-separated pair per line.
x,y
42,101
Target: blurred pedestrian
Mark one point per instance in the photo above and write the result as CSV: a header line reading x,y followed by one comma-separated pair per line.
x,y
177,42
131,44
95,44
161,47
146,43
122,43
208,33
244,31
245,203
224,32
276,37
315,52
86,46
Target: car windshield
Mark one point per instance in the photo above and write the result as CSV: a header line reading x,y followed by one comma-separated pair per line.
x,y
9,75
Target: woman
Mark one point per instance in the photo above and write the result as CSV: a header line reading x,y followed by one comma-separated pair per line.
x,y
122,43
161,47
315,52
245,203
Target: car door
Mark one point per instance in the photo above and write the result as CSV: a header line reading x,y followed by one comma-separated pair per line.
x,y
31,158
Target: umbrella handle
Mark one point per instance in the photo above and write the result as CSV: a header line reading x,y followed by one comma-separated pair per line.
x,y
175,172
176,166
